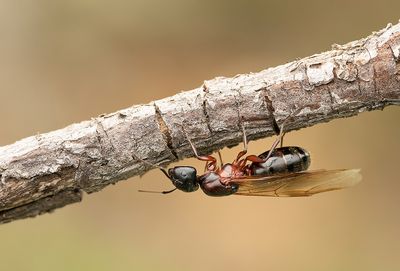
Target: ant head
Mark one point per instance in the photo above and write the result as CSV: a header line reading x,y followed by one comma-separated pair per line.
x,y
184,178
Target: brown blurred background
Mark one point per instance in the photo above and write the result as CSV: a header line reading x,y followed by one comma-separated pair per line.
x,y
67,61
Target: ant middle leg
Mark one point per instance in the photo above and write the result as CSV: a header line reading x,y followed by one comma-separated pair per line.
x,y
241,164
244,151
220,158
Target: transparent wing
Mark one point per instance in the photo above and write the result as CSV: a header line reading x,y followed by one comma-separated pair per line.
x,y
299,184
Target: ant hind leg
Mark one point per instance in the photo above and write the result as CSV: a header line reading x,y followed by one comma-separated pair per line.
x,y
283,135
278,140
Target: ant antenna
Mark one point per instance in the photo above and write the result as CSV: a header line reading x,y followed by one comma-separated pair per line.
x,y
158,192
152,165
160,168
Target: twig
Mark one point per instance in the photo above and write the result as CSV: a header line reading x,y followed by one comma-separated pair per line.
x,y
48,171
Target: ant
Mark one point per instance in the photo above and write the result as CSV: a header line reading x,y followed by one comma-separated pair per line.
x,y
281,171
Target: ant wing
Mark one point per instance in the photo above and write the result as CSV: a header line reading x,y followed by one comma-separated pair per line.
x,y
298,184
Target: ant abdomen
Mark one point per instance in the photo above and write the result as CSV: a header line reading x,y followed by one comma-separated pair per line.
x,y
282,160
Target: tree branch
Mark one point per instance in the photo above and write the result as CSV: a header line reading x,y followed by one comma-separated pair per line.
x,y
48,171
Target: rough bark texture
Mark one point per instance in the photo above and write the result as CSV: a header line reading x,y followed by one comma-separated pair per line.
x,y
48,171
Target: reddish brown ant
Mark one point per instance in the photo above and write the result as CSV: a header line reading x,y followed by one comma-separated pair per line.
x,y
277,172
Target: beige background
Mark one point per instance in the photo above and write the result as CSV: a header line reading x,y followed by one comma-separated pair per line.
x,y
67,61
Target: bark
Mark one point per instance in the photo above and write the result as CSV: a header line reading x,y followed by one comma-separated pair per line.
x,y
48,171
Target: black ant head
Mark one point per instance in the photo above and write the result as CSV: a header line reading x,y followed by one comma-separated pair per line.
x,y
184,178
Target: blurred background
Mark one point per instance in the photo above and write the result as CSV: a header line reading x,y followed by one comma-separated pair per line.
x,y
68,61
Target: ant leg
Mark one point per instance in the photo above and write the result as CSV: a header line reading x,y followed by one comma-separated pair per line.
x,y
282,139
278,130
241,164
252,158
244,151
277,141
220,158
281,134
211,161
244,138
207,158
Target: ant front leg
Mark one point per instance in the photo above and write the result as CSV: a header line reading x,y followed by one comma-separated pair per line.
x,y
211,161
241,163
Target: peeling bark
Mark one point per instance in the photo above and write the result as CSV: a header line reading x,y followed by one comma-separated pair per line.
x,y
48,171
